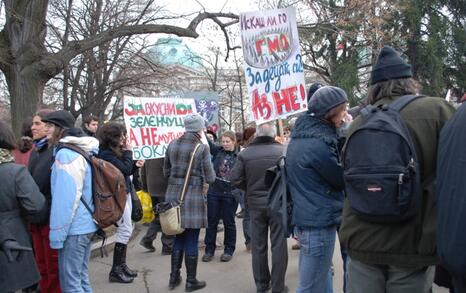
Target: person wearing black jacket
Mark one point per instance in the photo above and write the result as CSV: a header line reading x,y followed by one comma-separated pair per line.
x,y
40,167
114,149
221,203
450,199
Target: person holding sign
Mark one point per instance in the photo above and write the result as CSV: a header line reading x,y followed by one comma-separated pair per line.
x,y
221,202
115,149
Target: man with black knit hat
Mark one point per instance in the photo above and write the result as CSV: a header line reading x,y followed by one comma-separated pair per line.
x,y
398,257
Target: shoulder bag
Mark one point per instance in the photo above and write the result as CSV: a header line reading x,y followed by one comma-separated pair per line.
x,y
170,212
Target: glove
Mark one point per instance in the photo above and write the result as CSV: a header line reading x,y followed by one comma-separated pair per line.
x,y
12,245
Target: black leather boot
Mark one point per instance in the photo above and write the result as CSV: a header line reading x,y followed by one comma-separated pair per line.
x,y
129,272
192,284
117,273
175,276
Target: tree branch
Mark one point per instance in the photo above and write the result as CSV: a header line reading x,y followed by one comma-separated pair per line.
x,y
54,63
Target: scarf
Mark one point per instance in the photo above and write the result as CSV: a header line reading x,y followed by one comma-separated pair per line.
x,y
40,143
6,156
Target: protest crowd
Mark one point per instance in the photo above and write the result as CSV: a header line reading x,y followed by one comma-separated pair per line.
x,y
384,177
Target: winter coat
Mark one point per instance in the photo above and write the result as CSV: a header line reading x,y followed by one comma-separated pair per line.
x,y
315,176
71,179
249,171
177,156
451,194
124,163
223,162
153,180
40,167
20,202
412,242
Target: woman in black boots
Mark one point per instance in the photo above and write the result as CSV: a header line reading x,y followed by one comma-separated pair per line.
x,y
114,149
194,208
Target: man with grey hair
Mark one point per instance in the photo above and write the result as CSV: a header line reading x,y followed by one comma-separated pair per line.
x,y
248,174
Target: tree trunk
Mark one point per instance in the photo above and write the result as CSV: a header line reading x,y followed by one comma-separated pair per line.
x,y
26,90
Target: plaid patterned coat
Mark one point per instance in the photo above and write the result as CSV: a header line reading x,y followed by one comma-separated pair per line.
x,y
194,208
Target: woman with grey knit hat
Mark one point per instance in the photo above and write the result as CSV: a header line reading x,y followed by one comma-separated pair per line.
x,y
315,181
194,207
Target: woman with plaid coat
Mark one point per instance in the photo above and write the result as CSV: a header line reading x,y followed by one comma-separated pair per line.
x,y
194,207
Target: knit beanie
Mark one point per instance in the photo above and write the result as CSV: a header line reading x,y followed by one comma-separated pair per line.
x,y
325,99
389,66
194,123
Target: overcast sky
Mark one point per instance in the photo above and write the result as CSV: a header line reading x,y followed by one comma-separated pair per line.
x,y
207,35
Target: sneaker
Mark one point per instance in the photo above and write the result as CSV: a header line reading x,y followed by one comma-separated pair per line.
x,y
226,257
147,245
207,257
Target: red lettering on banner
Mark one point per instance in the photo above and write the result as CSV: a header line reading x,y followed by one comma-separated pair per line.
x,y
132,138
259,46
145,136
286,97
260,106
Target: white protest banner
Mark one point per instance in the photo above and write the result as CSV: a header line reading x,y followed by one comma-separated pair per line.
x,y
274,67
152,123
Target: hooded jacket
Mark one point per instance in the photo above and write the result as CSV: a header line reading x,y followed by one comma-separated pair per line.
x,y
71,179
315,176
412,242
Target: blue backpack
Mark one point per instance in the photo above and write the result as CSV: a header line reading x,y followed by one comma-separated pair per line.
x,y
381,170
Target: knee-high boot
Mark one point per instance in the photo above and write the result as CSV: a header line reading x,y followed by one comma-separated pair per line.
x,y
129,272
192,284
117,273
175,276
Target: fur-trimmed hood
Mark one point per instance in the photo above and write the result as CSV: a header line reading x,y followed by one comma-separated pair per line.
x,y
311,127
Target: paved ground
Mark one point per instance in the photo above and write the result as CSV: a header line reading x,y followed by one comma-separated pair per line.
x,y
232,277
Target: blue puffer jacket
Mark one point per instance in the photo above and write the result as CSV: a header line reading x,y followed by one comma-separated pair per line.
x,y
315,177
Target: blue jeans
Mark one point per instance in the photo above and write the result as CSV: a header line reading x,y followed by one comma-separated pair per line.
x,y
221,207
315,259
187,242
73,260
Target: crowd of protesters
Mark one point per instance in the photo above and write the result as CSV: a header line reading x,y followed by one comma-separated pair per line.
x,y
46,197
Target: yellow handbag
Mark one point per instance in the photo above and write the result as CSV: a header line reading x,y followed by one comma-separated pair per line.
x,y
146,203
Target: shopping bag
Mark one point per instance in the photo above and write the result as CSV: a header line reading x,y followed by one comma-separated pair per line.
x,y
147,209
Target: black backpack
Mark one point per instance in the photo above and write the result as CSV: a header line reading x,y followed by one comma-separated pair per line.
x,y
279,197
381,170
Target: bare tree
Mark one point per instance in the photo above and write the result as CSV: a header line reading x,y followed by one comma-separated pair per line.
x,y
28,65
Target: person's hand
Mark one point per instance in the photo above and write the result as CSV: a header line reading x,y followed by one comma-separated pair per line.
x,y
12,245
140,163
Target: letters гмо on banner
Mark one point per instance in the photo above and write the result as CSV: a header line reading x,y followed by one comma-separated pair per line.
x,y
274,67
152,123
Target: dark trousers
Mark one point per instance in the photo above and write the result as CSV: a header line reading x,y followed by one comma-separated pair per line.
x,y
154,228
187,242
261,221
221,207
